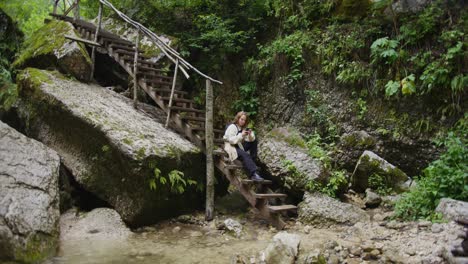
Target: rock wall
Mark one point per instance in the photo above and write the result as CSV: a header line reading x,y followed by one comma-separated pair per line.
x,y
29,200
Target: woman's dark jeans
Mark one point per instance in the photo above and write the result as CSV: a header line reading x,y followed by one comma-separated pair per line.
x,y
246,158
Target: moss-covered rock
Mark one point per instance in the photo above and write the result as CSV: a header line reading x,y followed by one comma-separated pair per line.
x,y
373,171
283,153
29,200
113,150
48,48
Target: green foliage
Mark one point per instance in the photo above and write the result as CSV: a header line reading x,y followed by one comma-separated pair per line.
x,y
175,180
380,184
445,177
336,184
291,47
30,16
391,88
248,101
384,50
362,104
317,151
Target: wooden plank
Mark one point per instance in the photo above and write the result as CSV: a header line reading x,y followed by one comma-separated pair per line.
x,y
130,53
270,195
193,118
162,90
85,41
183,109
256,182
181,100
281,208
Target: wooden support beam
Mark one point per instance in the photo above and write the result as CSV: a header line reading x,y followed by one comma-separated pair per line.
x,y
209,212
85,41
135,71
174,80
93,52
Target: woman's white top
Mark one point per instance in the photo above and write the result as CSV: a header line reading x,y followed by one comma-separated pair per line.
x,y
232,137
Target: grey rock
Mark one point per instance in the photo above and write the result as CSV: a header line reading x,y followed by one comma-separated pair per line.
x,y
314,257
98,224
406,6
319,209
48,48
233,226
372,199
283,249
333,259
453,209
437,228
371,164
29,200
277,147
355,251
110,148
176,230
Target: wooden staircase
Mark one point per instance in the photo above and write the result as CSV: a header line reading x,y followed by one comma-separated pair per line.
x,y
185,117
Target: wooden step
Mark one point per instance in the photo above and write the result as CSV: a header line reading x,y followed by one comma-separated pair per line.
x,y
281,208
269,195
179,100
183,109
129,58
132,54
151,73
193,118
162,90
233,167
252,182
202,128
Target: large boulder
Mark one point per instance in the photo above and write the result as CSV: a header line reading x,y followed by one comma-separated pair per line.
x,y
48,48
370,165
122,155
98,224
453,210
284,248
321,210
29,200
285,157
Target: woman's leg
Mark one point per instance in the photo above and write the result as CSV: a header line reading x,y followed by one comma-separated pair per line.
x,y
252,148
247,161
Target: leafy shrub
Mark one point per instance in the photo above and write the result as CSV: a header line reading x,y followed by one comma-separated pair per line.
x,y
445,177
336,184
248,101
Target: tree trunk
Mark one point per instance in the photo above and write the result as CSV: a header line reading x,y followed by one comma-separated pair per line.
x,y
209,152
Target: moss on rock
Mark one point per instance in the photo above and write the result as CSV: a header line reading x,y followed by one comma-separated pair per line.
x,y
370,165
48,48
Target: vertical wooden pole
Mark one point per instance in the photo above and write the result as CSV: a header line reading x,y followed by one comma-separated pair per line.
x,y
55,6
135,71
209,152
93,51
77,10
172,92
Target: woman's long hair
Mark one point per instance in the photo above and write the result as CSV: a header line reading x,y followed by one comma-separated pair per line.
x,y
238,116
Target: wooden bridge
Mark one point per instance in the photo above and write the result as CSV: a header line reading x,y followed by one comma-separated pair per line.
x,y
194,124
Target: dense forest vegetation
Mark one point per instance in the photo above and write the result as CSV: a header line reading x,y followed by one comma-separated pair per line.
x,y
376,50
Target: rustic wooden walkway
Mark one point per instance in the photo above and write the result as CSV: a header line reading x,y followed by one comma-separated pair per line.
x,y
184,116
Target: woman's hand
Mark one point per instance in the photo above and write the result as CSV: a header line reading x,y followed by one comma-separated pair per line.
x,y
245,133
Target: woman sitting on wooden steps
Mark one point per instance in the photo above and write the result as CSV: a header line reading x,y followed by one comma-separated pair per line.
x,y
238,139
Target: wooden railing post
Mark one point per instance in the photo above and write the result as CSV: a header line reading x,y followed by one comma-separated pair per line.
x,y
77,10
135,71
55,6
209,152
172,92
93,51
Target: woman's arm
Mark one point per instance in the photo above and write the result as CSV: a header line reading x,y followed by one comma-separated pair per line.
x,y
231,135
